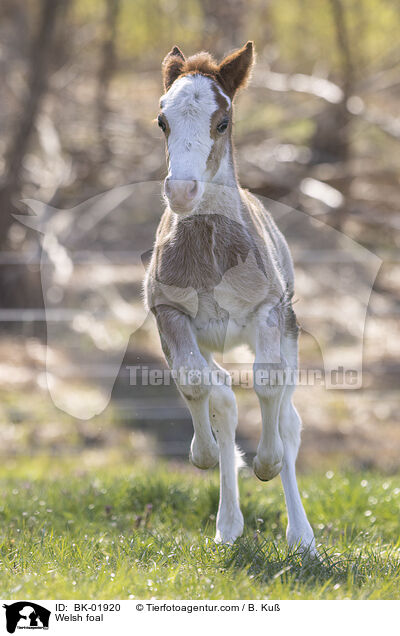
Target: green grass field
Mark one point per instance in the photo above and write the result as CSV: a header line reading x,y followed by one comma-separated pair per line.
x,y
109,530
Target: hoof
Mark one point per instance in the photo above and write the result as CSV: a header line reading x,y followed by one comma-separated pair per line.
x,y
222,539
310,554
303,540
266,471
229,531
204,459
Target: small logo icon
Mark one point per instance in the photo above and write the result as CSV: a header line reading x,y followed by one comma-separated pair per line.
x,y
26,615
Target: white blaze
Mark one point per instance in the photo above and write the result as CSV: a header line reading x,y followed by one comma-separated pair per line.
x,y
188,106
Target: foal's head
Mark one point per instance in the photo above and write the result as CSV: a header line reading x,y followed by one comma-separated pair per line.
x,y
196,117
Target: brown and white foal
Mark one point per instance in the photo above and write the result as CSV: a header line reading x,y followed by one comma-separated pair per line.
x,y
221,275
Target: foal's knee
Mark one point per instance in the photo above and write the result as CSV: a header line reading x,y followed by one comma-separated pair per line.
x,y
194,384
192,375
193,392
267,392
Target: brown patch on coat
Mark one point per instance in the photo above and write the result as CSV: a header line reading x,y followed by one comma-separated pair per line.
x,y
220,141
222,102
218,148
231,74
196,251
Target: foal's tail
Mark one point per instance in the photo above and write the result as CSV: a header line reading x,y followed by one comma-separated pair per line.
x,y
239,457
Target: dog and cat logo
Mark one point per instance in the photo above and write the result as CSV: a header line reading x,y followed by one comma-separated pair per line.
x,y
26,615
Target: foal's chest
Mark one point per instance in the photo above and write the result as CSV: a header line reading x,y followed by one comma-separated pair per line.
x,y
217,259
200,249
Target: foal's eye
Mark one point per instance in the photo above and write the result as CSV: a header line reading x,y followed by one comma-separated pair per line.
x,y
161,123
223,125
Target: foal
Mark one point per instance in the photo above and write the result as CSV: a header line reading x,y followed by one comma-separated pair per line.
x,y
220,275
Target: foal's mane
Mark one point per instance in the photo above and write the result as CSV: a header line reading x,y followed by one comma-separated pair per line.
x,y
202,63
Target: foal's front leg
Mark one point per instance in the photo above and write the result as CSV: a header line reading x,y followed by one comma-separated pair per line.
x,y
190,369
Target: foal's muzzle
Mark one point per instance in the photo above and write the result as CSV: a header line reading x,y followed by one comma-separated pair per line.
x,y
182,195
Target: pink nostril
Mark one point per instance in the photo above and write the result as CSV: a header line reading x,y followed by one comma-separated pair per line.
x,y
181,192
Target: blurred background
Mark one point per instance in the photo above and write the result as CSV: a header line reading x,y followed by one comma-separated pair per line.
x,y
317,130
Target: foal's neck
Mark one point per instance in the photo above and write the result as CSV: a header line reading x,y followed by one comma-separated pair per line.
x,y
222,192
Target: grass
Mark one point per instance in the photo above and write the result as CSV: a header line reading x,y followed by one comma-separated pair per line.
x,y
74,528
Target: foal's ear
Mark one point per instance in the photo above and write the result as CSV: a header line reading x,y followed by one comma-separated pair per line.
x,y
172,66
235,69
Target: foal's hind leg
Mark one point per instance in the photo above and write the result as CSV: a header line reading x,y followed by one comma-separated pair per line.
x,y
223,417
280,438
299,531
268,460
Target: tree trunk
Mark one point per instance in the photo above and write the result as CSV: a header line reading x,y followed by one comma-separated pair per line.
x,y
106,71
37,84
223,28
331,140
20,283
